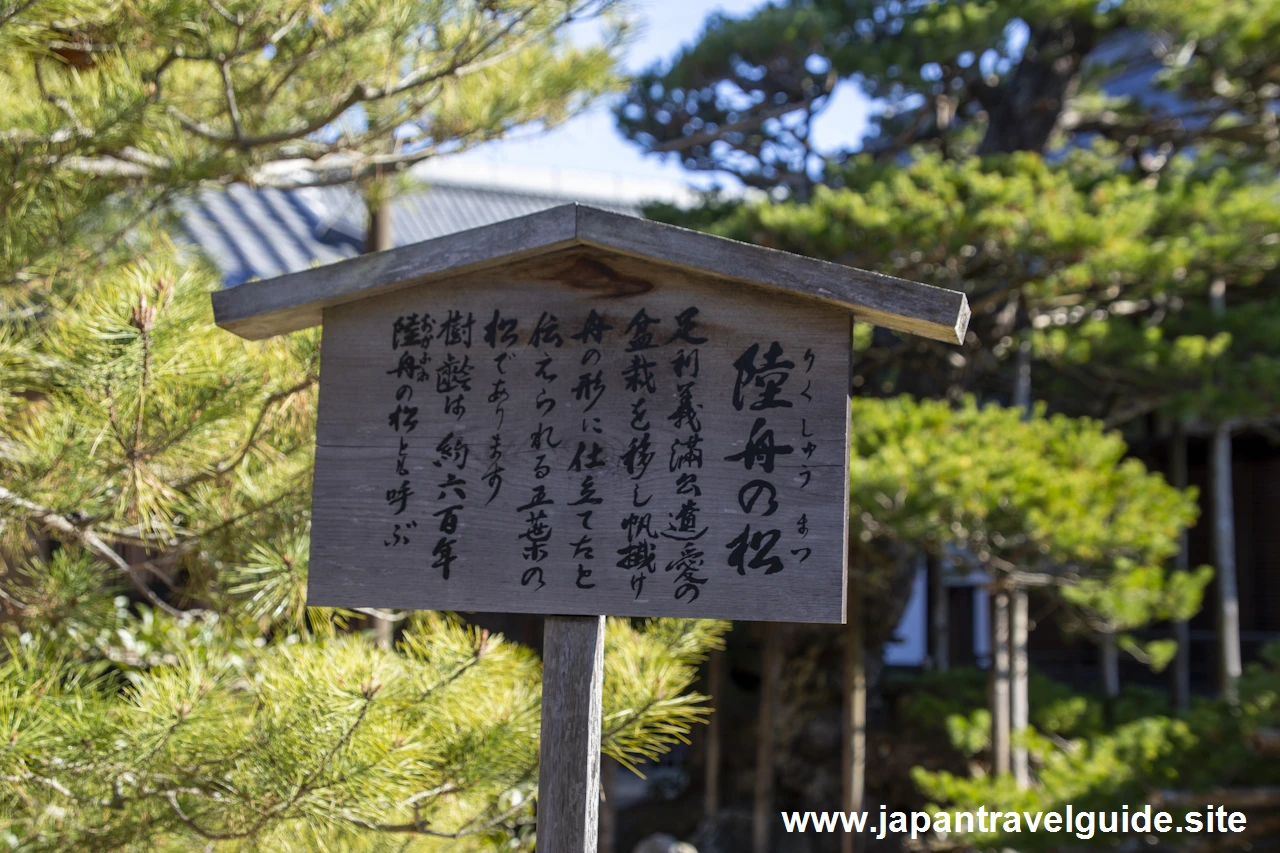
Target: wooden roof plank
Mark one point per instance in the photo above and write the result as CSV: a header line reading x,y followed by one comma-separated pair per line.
x,y
907,306
291,302
262,309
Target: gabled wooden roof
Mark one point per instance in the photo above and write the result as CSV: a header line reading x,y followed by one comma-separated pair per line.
x,y
275,306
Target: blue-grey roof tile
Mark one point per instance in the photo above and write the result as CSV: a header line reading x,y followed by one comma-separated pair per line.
x,y
262,232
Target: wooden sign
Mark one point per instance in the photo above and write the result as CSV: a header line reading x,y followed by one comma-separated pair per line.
x,y
579,413
604,438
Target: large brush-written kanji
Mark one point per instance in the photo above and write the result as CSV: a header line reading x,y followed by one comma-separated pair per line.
x,y
583,413
533,446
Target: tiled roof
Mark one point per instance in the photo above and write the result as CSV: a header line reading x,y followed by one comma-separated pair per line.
x,y
260,233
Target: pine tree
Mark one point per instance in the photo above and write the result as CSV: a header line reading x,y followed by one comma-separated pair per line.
x,y
162,683
960,79
1043,501
137,101
1101,180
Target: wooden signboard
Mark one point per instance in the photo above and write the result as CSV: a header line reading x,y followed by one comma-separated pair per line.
x,y
584,437
579,413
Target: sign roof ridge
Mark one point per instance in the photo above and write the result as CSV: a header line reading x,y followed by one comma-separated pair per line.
x,y
295,301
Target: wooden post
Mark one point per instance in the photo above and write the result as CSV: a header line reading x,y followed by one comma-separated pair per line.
x,y
853,765
715,689
1181,628
1000,699
762,816
939,614
1020,707
569,772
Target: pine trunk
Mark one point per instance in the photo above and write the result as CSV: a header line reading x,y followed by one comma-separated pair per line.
x,y
939,615
1001,759
378,238
1017,626
1224,540
1224,545
1109,658
770,674
384,631
1020,708
1181,628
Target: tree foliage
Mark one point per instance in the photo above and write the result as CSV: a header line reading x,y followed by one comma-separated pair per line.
x,y
1134,755
162,683
159,451
1046,501
323,744
1094,177
1100,179
1107,273
147,97
961,78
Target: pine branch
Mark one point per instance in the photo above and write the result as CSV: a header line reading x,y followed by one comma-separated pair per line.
x,y
247,445
54,784
275,812
211,835
706,137
254,510
370,690
233,108
15,602
234,20
13,10
91,540
384,615
460,671
419,827
458,67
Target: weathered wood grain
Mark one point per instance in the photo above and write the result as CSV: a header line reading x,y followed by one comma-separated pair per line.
x,y
262,309
895,303
569,766
792,565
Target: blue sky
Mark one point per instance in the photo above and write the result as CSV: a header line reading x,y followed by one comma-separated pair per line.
x,y
591,141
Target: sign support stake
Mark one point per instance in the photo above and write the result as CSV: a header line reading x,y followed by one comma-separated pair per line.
x,y
569,771
725,365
